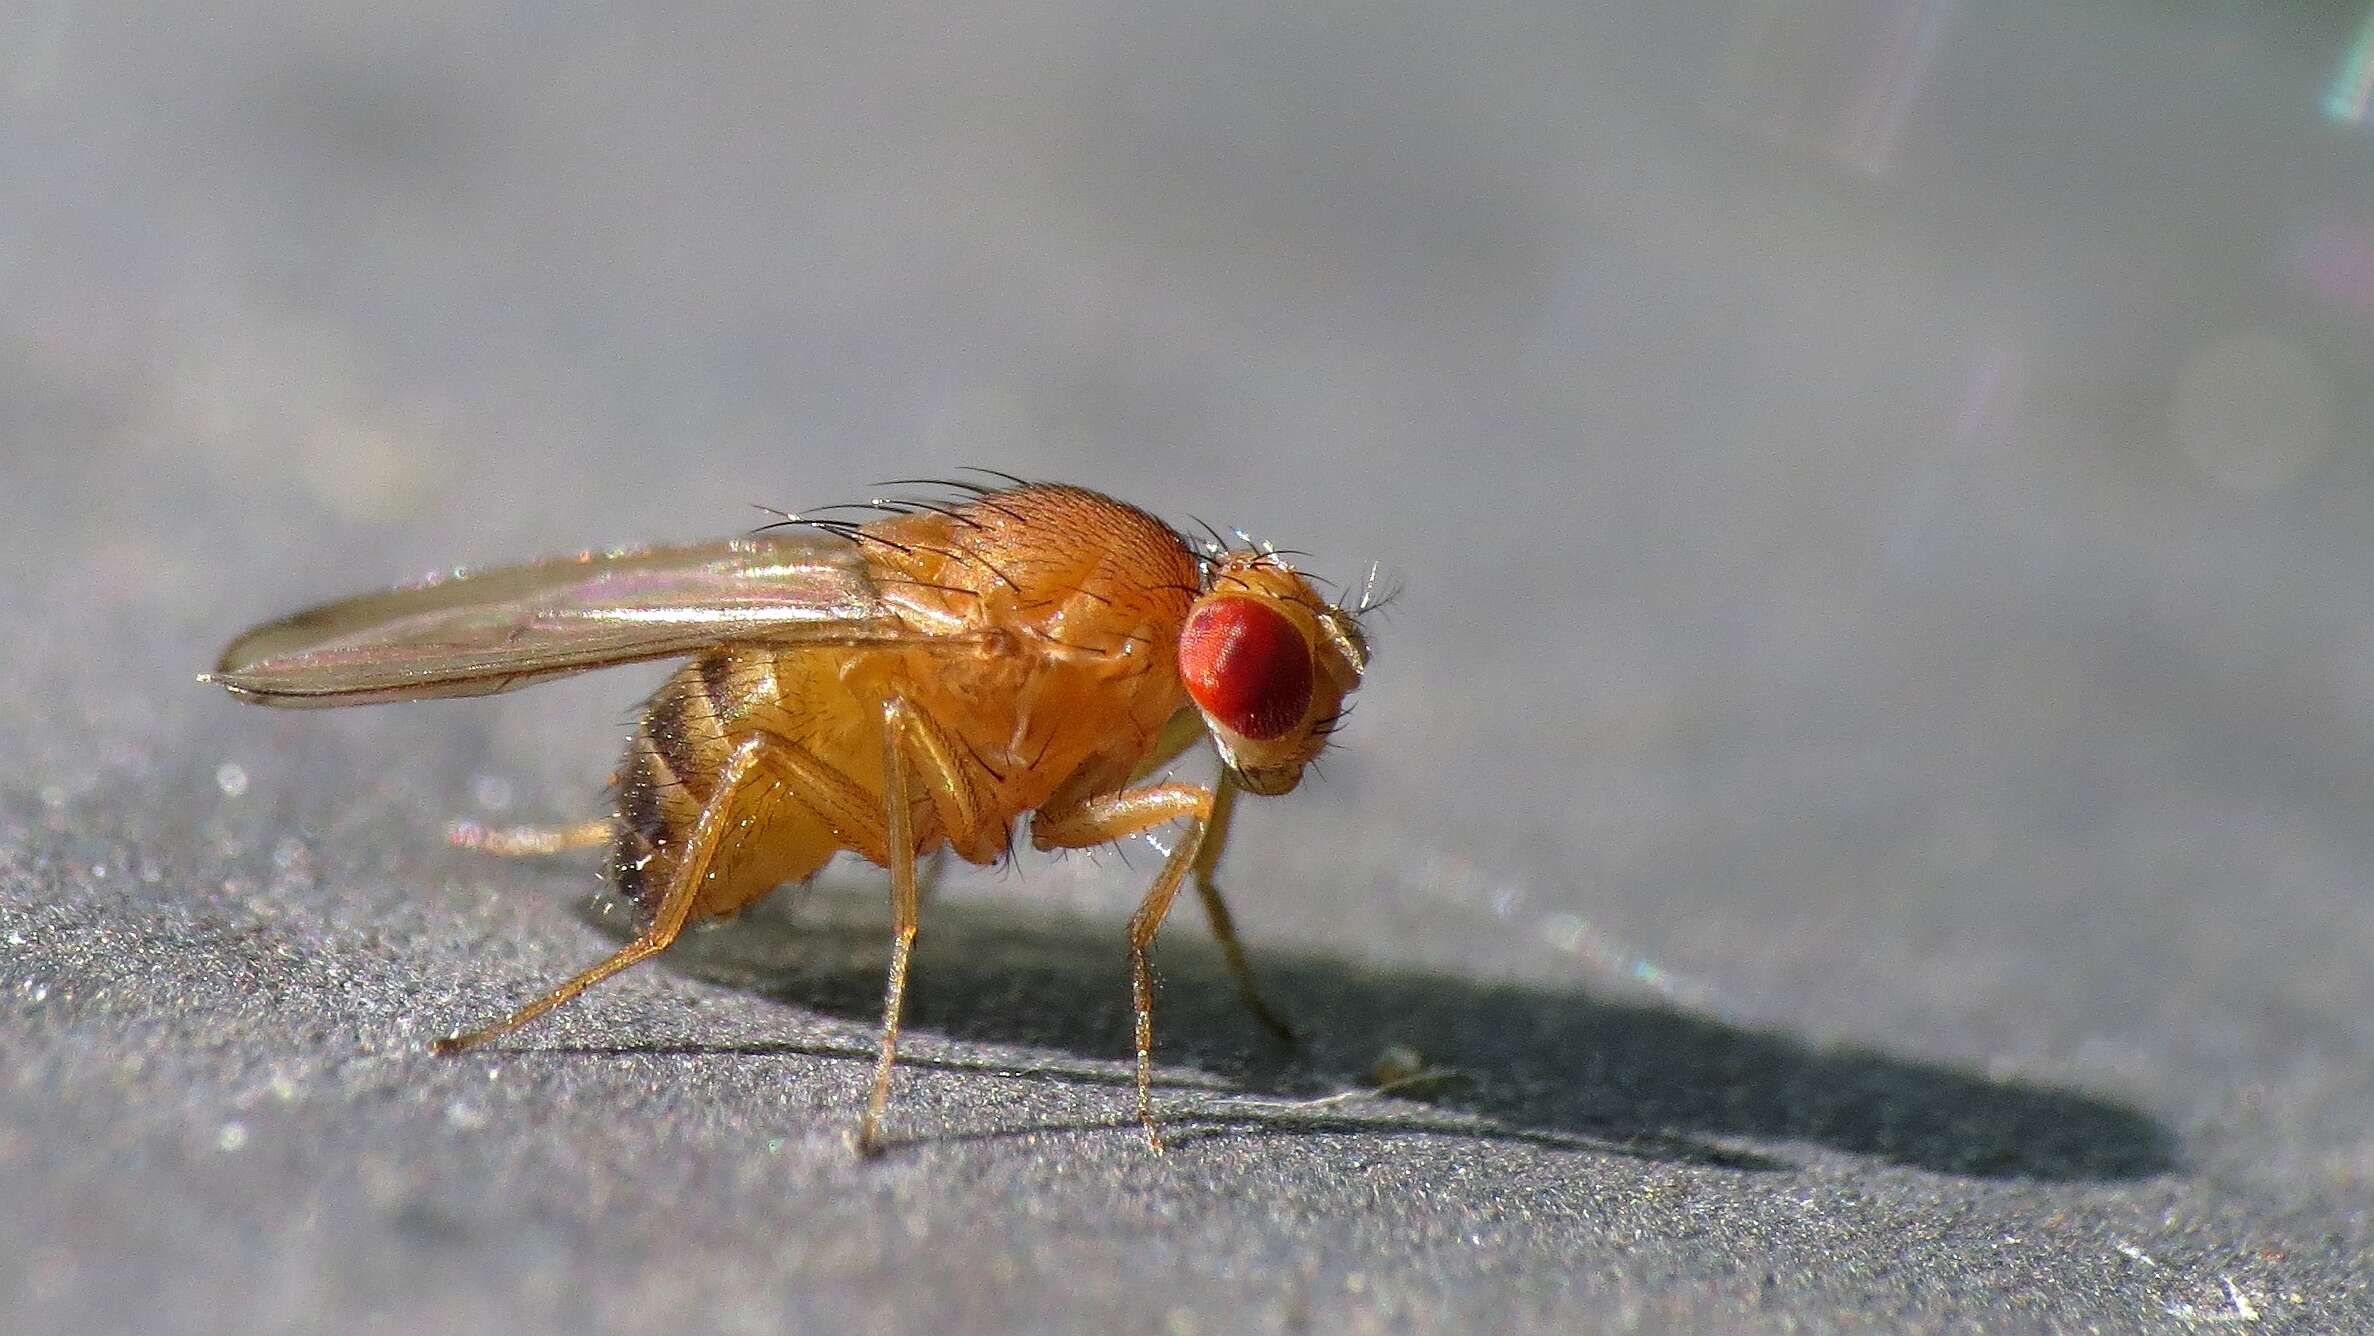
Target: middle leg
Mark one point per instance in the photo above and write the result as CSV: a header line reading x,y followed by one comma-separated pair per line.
x,y
913,747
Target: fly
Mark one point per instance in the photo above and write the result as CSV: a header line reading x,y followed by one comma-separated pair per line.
x,y
919,681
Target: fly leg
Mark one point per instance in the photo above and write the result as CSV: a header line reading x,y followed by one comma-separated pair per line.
x,y
883,829
531,841
1248,989
1110,817
1183,731
911,737
905,916
709,838
884,833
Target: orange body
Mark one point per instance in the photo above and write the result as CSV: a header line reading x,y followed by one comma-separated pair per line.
x,y
886,689
1083,598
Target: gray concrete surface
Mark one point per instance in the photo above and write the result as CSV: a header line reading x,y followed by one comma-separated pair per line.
x,y
1866,790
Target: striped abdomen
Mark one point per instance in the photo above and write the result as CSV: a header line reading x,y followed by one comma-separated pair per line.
x,y
672,766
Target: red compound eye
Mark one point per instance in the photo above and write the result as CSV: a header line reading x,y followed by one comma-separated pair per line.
x,y
1246,665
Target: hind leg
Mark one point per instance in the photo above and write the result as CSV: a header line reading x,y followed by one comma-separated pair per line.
x,y
711,836
531,841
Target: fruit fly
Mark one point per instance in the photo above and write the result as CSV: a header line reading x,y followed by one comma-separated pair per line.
x,y
917,681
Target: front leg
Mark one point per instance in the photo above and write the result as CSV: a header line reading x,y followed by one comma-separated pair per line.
x,y
1109,817
1215,841
1185,729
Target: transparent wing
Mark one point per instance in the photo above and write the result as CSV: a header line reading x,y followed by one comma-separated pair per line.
x,y
474,633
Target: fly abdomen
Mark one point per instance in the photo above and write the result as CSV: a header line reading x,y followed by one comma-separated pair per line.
x,y
673,764
671,768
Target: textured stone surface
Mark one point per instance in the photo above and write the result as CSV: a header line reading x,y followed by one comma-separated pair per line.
x,y
1865,791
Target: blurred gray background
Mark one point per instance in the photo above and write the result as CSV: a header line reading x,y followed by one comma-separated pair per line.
x,y
1865,790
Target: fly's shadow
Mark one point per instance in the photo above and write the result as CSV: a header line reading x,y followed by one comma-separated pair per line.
x,y
1546,1065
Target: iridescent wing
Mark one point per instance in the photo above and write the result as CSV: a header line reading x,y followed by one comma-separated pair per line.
x,y
474,633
